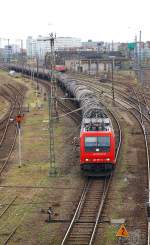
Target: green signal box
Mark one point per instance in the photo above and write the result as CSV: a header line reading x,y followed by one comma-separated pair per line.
x,y
131,46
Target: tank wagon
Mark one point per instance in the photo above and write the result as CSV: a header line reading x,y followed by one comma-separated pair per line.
x,y
41,73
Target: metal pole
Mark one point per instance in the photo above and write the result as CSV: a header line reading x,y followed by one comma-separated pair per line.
x,y
31,73
112,83
37,66
89,66
22,54
112,45
8,54
52,106
52,110
135,53
19,133
140,70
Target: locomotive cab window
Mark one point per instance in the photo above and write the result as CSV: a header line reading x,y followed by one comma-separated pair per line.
x,y
97,144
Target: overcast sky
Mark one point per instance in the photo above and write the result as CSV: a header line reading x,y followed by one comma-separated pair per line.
x,y
107,20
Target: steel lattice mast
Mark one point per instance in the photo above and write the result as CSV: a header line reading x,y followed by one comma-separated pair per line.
x,y
52,109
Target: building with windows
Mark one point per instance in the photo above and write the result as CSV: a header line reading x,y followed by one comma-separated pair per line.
x,y
41,45
92,45
145,50
67,43
8,53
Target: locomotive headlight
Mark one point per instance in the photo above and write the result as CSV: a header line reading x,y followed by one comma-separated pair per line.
x,y
86,159
107,159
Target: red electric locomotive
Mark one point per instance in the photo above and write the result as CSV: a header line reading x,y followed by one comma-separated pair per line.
x,y
60,68
97,145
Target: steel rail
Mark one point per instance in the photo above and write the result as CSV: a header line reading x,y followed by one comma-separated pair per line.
x,y
105,191
80,203
77,214
124,95
124,101
145,140
12,233
141,121
79,206
16,131
72,112
136,110
8,206
15,101
106,188
7,123
10,152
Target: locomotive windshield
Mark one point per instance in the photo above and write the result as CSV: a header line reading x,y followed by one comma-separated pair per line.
x,y
97,144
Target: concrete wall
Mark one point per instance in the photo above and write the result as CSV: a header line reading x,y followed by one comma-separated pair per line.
x,y
87,66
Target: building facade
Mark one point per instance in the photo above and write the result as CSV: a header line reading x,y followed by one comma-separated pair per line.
x,y
41,45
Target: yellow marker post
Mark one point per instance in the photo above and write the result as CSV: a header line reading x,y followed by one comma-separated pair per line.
x,y
122,232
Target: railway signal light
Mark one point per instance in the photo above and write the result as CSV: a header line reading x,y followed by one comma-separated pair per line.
x,y
19,119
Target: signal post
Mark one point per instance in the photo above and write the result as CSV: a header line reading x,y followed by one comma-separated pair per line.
x,y
19,119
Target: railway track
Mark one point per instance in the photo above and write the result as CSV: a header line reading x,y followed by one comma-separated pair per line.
x,y
107,90
123,90
8,206
142,102
136,104
131,103
76,233
86,218
139,113
70,111
145,125
64,104
9,132
128,99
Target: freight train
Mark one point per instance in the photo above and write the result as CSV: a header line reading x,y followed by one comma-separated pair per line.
x,y
97,138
